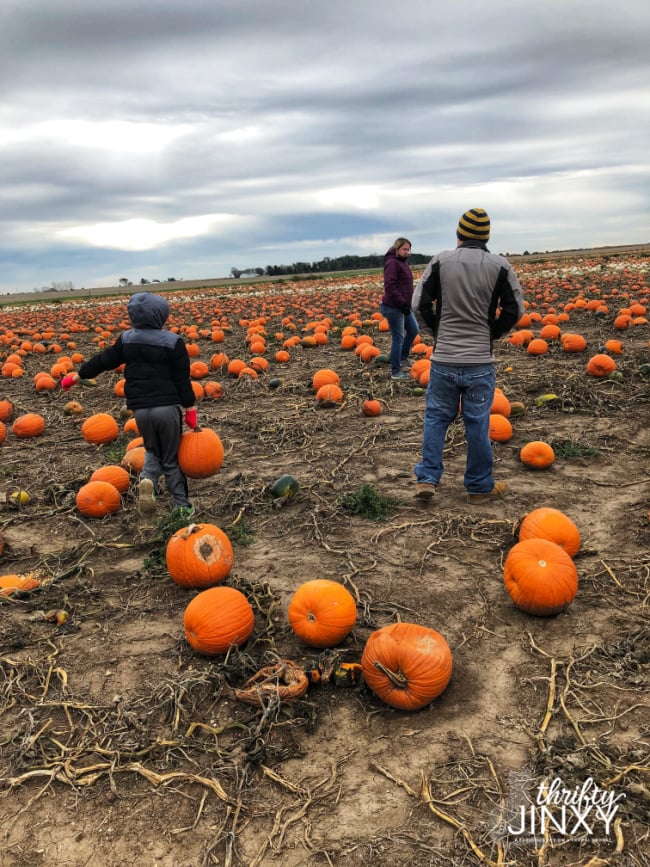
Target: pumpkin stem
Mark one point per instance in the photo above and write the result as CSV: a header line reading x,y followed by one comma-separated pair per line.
x,y
192,528
397,678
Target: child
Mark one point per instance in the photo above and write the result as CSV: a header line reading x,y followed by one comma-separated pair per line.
x,y
157,374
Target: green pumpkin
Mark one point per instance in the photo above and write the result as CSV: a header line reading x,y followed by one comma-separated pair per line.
x,y
275,382
284,487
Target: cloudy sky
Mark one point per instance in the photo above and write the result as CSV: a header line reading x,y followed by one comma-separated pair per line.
x,y
156,138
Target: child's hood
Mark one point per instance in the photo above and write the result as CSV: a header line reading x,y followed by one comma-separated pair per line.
x,y
147,310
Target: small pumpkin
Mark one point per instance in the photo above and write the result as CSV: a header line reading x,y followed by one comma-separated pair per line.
x,y
537,455
6,410
73,407
200,453
98,499
199,555
3,432
216,619
517,408
31,424
322,612
540,577
407,665
371,407
100,428
284,487
552,524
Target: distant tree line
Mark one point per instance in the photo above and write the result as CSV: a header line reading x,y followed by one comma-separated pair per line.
x,y
339,263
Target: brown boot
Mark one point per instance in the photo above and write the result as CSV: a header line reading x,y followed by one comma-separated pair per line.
x,y
497,492
425,490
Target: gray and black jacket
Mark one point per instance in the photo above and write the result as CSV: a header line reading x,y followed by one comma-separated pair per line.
x,y
467,298
156,363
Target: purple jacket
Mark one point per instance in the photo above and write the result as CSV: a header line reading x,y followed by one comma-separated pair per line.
x,y
398,281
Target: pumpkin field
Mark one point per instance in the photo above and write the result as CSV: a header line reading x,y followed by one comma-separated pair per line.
x,y
318,668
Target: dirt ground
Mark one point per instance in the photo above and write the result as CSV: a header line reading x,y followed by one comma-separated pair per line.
x,y
122,746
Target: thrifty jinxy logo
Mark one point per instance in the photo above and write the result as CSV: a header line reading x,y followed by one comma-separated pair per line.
x,y
581,811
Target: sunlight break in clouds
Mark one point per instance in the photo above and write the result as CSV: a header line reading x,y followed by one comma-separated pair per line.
x,y
112,135
365,198
141,234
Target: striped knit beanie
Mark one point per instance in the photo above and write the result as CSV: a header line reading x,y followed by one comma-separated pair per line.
x,y
474,225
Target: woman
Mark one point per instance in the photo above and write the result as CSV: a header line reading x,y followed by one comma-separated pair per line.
x,y
396,306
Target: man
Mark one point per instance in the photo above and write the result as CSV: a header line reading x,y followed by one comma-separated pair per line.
x,y
467,297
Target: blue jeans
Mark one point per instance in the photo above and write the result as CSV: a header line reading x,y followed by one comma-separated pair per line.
x,y
448,385
403,331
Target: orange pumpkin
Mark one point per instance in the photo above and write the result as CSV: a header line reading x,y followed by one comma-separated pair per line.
x,y
3,432
322,612
216,619
500,428
325,376
29,425
73,407
600,365
329,395
100,428
117,476
199,555
200,453
6,410
13,583
98,499
540,577
551,524
537,346
500,404
406,665
573,342
371,407
537,455
133,460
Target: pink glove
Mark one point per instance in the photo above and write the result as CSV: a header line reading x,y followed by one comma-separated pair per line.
x,y
190,418
68,381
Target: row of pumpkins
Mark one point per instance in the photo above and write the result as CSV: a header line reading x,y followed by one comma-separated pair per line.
x,y
405,664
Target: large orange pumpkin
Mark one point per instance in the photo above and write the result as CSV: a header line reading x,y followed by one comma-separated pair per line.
x,y
199,555
540,577
406,665
29,425
118,477
100,428
217,619
98,499
500,428
200,453
322,612
325,376
551,524
600,365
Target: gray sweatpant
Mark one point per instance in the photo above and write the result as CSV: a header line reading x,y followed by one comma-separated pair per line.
x,y
161,427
